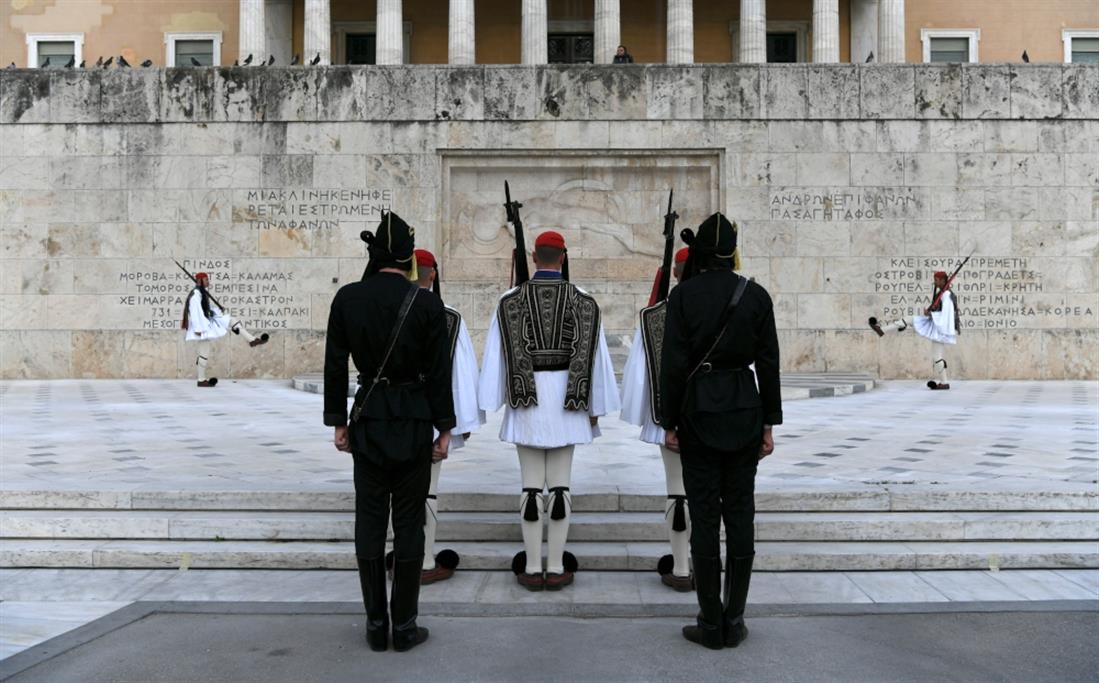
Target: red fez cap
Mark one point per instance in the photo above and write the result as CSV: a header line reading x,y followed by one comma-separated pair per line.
x,y
425,259
681,255
941,273
202,276
550,239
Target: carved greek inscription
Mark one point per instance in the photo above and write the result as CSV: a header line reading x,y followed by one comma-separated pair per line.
x,y
259,299
992,293
812,204
308,208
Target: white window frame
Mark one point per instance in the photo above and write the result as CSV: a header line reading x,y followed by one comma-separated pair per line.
x,y
170,45
1068,34
802,29
34,38
973,34
340,29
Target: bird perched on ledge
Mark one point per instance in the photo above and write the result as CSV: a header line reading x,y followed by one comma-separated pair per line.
x,y
296,60
316,60
195,62
122,63
146,64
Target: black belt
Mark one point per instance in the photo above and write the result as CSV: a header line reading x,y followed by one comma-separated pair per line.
x,y
710,367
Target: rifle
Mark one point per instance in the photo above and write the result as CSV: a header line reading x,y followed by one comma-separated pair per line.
x,y
950,280
195,280
521,271
664,284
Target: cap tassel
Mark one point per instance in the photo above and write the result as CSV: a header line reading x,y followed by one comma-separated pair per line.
x,y
565,267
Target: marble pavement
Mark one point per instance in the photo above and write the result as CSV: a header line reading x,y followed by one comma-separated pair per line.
x,y
127,438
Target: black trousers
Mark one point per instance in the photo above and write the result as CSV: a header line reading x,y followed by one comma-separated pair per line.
x,y
376,485
720,485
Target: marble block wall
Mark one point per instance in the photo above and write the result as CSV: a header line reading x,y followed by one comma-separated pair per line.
x,y
850,184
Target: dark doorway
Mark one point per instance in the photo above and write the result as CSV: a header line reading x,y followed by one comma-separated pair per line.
x,y
571,48
361,48
782,48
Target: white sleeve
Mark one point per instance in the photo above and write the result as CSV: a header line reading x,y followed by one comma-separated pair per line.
x,y
604,387
635,384
196,319
944,318
491,390
464,380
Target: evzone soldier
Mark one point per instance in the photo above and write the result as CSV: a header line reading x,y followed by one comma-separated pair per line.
x,y
718,323
396,333
204,321
468,416
939,323
546,358
641,406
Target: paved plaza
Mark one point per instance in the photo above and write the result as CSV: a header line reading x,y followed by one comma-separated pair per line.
x,y
286,643
128,443
263,435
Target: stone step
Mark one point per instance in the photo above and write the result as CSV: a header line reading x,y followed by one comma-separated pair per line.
x,y
1053,496
770,555
591,526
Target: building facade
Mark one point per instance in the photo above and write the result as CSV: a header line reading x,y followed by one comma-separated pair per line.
x,y
219,32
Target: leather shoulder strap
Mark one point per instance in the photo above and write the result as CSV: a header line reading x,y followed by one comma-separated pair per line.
x,y
726,317
402,314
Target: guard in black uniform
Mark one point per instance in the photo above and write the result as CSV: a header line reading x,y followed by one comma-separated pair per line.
x,y
719,323
405,378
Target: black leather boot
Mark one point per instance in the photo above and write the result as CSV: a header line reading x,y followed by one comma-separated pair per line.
x,y
707,631
372,582
738,574
405,604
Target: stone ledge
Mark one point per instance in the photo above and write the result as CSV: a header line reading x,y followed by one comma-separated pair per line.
x,y
530,93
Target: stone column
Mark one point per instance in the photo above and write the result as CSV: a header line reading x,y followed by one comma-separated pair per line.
x,y
253,30
608,30
535,48
389,40
681,32
462,44
891,31
864,29
753,31
318,31
826,31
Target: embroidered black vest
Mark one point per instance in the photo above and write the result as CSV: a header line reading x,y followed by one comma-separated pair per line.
x,y
453,322
652,336
549,325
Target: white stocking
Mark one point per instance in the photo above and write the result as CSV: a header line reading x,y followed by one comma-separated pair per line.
x,y
680,540
897,325
532,469
200,363
431,516
938,362
240,329
558,475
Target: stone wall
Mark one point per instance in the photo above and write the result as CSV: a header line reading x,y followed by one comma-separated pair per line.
x,y
850,185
